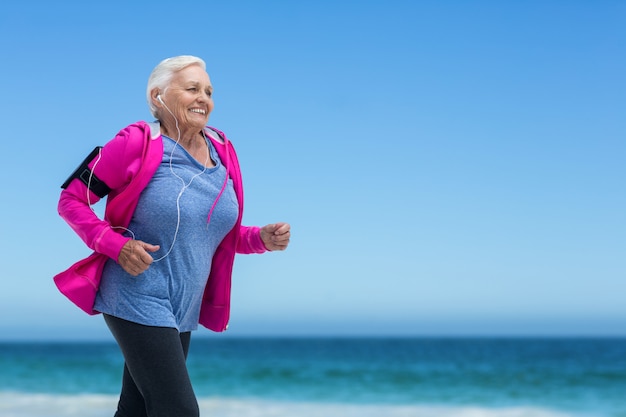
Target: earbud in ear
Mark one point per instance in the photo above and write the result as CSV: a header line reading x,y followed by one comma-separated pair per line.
x,y
160,99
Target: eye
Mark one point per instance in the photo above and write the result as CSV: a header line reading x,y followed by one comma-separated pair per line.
x,y
209,93
192,89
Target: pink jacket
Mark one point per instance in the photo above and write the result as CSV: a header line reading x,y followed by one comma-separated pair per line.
x,y
127,164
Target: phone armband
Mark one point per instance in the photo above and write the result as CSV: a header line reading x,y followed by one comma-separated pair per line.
x,y
83,173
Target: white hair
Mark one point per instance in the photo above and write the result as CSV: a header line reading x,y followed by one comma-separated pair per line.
x,y
162,74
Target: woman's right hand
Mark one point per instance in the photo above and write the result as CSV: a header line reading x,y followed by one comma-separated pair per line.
x,y
135,257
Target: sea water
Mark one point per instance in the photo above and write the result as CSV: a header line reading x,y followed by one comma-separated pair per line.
x,y
328,377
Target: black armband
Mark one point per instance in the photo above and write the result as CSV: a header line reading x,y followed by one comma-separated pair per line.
x,y
83,173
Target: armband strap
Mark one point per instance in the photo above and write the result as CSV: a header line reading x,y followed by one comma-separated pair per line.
x,y
83,173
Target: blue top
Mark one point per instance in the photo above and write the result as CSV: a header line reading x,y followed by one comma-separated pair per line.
x,y
169,293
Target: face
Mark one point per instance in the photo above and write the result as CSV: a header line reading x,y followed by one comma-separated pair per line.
x,y
189,97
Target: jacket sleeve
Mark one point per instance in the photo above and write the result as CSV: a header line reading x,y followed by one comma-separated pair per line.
x,y
250,240
97,234
115,168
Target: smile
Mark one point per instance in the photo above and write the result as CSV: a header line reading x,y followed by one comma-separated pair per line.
x,y
199,111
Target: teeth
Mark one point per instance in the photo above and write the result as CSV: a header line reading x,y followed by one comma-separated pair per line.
x,y
200,111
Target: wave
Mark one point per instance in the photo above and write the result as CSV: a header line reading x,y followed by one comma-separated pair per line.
x,y
96,405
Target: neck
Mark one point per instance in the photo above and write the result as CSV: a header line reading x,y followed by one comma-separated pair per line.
x,y
189,137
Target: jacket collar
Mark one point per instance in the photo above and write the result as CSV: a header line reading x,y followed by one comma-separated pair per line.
x,y
155,129
155,132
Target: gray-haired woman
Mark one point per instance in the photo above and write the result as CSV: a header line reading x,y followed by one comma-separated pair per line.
x,y
171,229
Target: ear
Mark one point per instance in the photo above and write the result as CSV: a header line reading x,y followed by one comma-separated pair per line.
x,y
153,95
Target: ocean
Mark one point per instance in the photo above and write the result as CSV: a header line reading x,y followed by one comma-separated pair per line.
x,y
337,377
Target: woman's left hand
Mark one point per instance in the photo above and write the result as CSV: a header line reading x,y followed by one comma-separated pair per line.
x,y
276,236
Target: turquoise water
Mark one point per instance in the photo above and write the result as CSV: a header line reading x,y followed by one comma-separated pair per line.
x,y
342,377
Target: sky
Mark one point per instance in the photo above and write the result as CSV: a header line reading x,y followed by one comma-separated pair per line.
x,y
448,168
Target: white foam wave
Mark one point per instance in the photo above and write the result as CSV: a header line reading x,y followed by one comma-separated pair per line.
x,y
92,405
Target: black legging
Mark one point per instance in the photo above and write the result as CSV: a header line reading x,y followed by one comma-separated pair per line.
x,y
155,382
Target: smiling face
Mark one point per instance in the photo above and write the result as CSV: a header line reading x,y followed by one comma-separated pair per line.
x,y
189,97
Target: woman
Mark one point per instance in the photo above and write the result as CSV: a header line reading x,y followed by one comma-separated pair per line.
x,y
164,252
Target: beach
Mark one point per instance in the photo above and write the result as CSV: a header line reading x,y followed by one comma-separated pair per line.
x,y
289,377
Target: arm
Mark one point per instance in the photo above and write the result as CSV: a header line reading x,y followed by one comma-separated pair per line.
x,y
250,240
131,254
115,170
97,234
272,237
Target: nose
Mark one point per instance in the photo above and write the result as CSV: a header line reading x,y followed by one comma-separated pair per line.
x,y
205,99
205,96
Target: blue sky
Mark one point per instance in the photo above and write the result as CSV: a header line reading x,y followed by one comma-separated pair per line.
x,y
448,167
